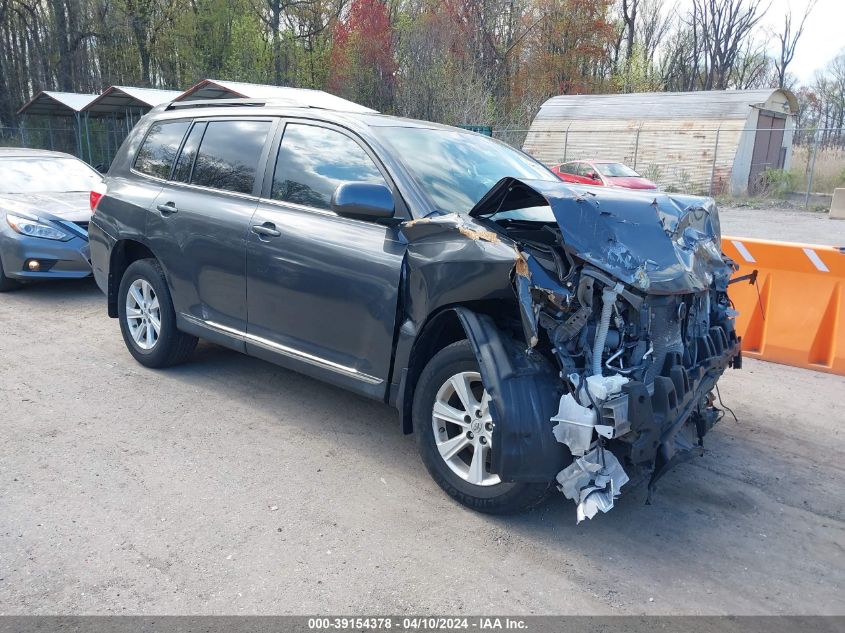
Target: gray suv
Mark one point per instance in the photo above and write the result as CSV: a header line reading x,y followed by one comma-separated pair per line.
x,y
531,334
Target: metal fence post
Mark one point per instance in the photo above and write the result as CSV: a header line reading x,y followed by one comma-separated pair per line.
x,y
812,168
565,141
713,166
637,147
78,135
88,139
22,130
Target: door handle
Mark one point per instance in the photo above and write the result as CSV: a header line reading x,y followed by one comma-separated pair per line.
x,y
268,229
167,209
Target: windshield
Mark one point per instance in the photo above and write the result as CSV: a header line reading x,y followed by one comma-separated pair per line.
x,y
46,175
616,170
455,169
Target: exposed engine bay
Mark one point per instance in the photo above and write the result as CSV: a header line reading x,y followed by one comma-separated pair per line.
x,y
629,296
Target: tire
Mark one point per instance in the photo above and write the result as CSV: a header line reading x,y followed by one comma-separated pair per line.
x,y
6,283
165,347
459,475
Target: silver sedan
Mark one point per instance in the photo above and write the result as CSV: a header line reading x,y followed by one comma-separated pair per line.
x,y
44,213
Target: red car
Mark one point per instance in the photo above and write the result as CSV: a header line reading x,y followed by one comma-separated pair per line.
x,y
602,173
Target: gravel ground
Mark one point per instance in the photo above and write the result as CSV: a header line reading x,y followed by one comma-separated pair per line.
x,y
788,225
231,486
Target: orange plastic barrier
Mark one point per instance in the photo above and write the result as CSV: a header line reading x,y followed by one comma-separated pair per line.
x,y
796,317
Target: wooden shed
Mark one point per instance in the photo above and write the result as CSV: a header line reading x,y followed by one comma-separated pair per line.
x,y
700,142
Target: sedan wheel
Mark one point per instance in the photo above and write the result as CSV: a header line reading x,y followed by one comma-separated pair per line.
x,y
143,314
463,428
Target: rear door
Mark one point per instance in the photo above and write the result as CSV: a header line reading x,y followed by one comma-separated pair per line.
x,y
198,223
322,289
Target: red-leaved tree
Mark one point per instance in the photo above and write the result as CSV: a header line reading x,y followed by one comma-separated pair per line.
x,y
362,65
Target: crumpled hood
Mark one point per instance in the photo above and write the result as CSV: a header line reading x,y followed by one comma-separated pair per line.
x,y
657,242
72,206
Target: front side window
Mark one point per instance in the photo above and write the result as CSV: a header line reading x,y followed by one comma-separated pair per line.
x,y
229,153
313,161
155,158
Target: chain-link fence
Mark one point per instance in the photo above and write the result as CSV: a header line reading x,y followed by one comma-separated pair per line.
x,y
801,165
97,143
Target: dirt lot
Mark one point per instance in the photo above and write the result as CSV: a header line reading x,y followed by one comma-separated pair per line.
x,y
229,485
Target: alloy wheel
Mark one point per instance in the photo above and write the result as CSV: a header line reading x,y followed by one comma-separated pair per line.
x,y
463,428
143,314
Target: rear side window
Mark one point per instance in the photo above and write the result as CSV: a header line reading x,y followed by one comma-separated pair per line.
x,y
155,158
313,161
229,153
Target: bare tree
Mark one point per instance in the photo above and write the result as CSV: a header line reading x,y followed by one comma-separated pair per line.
x,y
653,27
629,18
753,67
710,43
724,26
788,40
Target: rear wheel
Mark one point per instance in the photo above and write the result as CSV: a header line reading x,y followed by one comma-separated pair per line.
x,y
454,428
5,282
147,319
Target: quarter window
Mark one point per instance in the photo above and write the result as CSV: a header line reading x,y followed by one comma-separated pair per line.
x,y
313,161
159,148
229,153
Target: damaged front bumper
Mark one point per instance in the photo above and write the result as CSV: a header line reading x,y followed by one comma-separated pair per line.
x,y
648,428
628,293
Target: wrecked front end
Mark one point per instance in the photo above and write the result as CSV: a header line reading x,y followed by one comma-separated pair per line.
x,y
626,293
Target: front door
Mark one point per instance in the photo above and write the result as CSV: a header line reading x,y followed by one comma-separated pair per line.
x,y
198,223
767,154
322,289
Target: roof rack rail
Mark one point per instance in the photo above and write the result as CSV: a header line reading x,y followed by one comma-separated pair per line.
x,y
222,103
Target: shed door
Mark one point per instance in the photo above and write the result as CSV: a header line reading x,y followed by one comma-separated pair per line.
x,y
767,148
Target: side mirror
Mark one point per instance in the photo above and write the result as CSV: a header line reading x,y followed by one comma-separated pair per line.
x,y
592,175
363,200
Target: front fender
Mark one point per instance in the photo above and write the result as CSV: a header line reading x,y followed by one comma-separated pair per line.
x,y
524,389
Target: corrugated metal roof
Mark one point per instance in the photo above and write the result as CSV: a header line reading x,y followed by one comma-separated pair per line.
x,y
57,103
723,104
220,89
116,99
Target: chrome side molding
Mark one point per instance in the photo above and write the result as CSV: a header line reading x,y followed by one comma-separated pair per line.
x,y
290,352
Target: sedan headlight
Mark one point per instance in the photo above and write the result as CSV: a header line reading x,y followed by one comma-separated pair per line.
x,y
36,228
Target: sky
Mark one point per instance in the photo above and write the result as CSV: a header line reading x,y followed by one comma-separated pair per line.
x,y
823,33
823,38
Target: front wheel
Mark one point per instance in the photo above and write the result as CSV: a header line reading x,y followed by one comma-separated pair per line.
x,y
147,319
454,429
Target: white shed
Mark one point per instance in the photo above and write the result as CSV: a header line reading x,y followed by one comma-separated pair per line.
x,y
699,142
